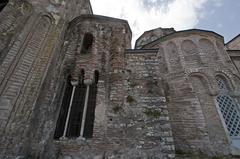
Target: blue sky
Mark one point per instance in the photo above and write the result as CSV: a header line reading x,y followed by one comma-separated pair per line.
x,y
223,18
220,16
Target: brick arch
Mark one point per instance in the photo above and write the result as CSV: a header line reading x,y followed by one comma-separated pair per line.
x,y
215,130
206,45
48,17
189,47
208,49
236,79
204,78
229,81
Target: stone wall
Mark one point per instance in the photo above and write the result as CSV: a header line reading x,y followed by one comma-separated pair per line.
x,y
13,17
193,63
32,40
234,44
146,105
152,102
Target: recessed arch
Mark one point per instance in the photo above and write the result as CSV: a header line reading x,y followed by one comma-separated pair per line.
x,y
173,57
226,79
189,47
206,45
208,49
191,53
47,16
203,78
201,83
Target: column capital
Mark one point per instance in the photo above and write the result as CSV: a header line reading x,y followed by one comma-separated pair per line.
x,y
88,81
74,82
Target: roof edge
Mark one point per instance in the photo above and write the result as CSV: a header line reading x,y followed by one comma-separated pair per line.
x,y
98,18
187,31
232,39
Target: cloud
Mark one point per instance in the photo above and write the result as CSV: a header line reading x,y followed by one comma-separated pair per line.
x,y
144,15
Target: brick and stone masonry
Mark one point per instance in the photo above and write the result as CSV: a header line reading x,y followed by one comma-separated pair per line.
x,y
175,95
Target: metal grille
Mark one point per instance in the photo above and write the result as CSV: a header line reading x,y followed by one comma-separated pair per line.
x,y
230,112
221,84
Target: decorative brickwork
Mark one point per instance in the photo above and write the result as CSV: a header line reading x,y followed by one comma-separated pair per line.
x,y
71,87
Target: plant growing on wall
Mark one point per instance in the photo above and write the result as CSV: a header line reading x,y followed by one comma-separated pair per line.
x,y
130,99
117,109
150,112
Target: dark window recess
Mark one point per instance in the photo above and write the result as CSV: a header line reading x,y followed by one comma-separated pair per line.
x,y
96,74
88,129
87,43
64,110
81,78
76,114
3,3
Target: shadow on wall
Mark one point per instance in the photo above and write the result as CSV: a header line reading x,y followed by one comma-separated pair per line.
x,y
3,3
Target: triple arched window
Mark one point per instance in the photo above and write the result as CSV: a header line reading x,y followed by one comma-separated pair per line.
x,y
76,118
229,108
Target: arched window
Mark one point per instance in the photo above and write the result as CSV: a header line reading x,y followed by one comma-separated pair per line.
x,y
64,109
229,108
88,130
87,43
77,113
3,3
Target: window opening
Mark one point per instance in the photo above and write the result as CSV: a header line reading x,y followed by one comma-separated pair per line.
x,y
64,109
87,42
229,109
91,105
221,83
96,77
77,113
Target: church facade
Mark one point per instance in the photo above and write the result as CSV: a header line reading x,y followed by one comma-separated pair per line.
x,y
71,87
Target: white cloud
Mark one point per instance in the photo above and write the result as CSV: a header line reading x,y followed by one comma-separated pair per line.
x,y
144,15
